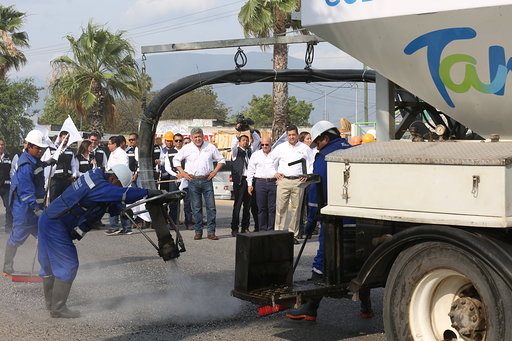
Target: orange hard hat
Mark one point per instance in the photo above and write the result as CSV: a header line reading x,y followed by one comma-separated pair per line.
x,y
368,138
356,140
169,136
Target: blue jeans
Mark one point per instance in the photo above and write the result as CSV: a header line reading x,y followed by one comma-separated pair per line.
x,y
114,223
199,189
187,208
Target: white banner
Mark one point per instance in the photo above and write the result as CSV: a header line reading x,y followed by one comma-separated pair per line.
x,y
73,135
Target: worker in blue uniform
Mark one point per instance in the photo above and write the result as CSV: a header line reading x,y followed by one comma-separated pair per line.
x,y
326,138
26,196
69,217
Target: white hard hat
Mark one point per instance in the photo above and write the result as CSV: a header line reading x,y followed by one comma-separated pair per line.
x,y
36,137
123,173
319,128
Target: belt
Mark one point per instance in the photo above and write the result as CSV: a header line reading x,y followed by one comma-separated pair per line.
x,y
292,177
204,177
266,179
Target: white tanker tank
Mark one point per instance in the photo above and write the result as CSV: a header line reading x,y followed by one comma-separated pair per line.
x,y
454,54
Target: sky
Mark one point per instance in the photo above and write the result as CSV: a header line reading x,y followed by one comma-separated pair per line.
x,y
155,22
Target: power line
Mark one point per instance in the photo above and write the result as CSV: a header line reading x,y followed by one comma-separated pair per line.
x,y
61,47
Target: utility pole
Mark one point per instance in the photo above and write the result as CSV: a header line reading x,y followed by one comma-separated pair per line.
x,y
357,104
365,97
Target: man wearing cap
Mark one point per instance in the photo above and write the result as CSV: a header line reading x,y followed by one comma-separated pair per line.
x,y
289,178
168,172
199,172
327,139
69,218
26,196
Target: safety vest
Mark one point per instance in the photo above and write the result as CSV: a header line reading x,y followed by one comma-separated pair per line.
x,y
132,163
69,200
5,169
63,167
169,153
156,152
84,165
99,155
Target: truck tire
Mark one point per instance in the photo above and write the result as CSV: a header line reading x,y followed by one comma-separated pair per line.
x,y
436,291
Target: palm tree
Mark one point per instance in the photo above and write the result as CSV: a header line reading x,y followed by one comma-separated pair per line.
x,y
102,68
11,40
261,19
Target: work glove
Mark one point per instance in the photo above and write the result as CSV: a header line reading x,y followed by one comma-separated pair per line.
x,y
154,193
76,233
50,162
38,212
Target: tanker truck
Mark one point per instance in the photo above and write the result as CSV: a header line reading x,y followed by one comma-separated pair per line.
x,y
433,217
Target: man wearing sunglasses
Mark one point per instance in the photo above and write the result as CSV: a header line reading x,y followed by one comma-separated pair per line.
x,y
131,151
262,184
27,196
176,175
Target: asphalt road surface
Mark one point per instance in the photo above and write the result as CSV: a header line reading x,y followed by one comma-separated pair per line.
x,y
126,292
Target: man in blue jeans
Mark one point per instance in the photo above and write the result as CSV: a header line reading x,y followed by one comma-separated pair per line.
x,y
199,172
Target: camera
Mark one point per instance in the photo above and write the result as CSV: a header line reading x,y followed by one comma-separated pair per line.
x,y
243,123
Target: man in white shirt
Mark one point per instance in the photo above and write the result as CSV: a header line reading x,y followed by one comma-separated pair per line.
x,y
261,172
117,157
289,178
199,172
117,154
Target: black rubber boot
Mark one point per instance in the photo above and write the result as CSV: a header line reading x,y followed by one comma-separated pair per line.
x,y
10,252
306,312
366,303
60,295
48,289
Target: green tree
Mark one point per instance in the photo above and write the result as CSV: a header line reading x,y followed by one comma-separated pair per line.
x,y
56,113
200,103
130,113
15,99
260,110
11,21
101,70
261,19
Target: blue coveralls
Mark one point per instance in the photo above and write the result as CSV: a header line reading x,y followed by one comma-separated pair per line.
x,y
320,168
82,204
26,196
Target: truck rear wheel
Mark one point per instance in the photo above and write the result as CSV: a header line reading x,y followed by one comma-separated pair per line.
x,y
436,291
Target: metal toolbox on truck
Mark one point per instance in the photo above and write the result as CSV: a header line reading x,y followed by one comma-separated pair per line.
x,y
451,183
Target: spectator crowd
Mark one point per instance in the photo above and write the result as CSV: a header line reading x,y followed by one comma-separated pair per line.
x,y
267,178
